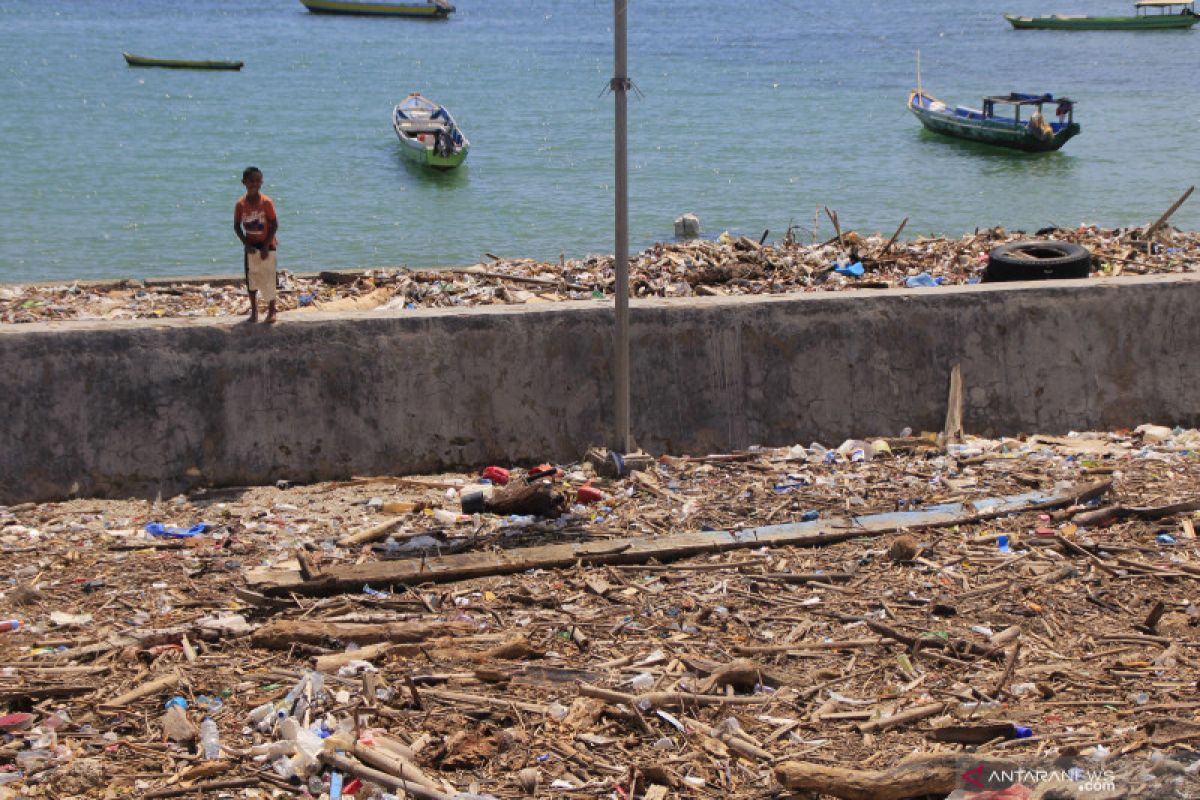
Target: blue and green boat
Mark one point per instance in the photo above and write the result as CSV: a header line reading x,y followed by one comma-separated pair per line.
x,y
1035,134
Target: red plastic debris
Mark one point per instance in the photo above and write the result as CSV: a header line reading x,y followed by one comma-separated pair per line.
x,y
588,494
497,475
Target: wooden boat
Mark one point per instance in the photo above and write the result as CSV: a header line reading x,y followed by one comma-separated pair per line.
x,y
428,134
176,63
1149,15
1036,134
430,9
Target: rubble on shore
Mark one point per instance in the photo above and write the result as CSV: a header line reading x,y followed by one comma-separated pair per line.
x,y
1025,601
730,265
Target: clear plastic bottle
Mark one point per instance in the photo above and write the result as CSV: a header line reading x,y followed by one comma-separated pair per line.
x,y
210,740
262,712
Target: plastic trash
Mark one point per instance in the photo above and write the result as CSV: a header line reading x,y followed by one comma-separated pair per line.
x,y
10,625
810,516
1165,538
447,517
177,701
1002,543
922,280
210,740
259,713
474,502
641,681
854,270
497,475
588,494
166,532
980,733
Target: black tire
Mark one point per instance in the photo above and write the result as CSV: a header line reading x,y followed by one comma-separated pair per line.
x,y
1037,261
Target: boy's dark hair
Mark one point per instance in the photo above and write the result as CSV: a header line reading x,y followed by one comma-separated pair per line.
x,y
248,171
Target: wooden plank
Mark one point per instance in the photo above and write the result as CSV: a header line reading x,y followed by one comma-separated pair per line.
x,y
463,566
282,634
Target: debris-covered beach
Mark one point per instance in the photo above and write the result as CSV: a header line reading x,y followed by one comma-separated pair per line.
x,y
771,622
728,265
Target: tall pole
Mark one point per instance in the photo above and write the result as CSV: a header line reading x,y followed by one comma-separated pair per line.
x,y
620,87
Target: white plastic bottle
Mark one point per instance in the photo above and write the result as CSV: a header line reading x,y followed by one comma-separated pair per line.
x,y
210,740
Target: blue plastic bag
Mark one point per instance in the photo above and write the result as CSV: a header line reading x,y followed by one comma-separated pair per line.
x,y
162,531
855,270
924,279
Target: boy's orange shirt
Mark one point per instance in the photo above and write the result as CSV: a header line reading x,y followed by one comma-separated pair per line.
x,y
254,218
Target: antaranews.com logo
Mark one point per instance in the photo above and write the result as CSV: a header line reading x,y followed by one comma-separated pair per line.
x,y
986,782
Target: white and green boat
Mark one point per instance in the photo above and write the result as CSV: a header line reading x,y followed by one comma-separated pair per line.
x,y
428,134
1149,15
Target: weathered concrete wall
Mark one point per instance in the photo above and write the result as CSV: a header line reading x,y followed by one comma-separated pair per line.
x,y
140,408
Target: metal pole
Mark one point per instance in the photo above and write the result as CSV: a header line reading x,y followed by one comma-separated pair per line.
x,y
620,86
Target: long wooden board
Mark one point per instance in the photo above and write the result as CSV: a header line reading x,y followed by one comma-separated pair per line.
x,y
463,566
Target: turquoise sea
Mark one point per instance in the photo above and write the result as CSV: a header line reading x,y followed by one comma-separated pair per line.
x,y
751,115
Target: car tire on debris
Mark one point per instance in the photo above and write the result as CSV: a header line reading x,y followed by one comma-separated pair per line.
x,y
1037,260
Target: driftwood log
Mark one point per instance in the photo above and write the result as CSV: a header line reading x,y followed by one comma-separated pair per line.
x,y
936,774
282,634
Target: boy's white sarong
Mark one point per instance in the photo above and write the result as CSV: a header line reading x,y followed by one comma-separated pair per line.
x,y
262,274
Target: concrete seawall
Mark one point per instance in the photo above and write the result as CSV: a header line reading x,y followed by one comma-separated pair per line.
x,y
140,408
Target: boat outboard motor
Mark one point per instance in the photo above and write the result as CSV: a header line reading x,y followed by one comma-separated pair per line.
x,y
443,145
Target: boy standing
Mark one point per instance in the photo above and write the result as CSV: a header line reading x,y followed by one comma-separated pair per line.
x,y
255,224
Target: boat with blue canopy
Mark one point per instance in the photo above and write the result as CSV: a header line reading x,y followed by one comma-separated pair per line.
x,y
1034,134
428,134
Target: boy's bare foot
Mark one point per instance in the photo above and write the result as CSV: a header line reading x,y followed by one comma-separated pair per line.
x,y
270,318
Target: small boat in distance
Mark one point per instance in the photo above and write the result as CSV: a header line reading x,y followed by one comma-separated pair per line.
x,y
428,134
1164,18
1035,135
430,9
176,63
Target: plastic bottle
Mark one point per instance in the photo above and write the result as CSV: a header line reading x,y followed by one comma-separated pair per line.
x,y
641,681
449,517
272,750
10,624
210,740
262,712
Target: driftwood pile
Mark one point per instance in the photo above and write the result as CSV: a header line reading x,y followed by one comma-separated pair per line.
x,y
730,265
887,618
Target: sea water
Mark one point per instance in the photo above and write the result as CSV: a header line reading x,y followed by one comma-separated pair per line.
x,y
751,115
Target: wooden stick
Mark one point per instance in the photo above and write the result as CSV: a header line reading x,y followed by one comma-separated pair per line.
x,y
845,644
903,718
1074,548
953,431
836,227
1153,229
892,240
1009,665
155,686
371,534
670,699
335,661
483,700
197,788
354,767
393,764
282,634
959,646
